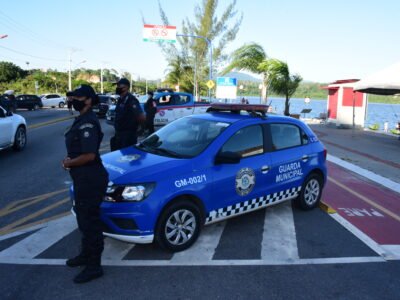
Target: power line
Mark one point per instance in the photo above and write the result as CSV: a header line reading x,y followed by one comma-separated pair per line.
x,y
34,56
18,27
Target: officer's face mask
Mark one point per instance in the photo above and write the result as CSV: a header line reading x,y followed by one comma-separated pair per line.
x,y
78,105
120,90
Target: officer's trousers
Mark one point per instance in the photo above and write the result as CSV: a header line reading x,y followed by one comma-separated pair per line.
x,y
90,184
150,124
124,139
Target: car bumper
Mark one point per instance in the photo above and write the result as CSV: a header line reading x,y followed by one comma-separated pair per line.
x,y
137,239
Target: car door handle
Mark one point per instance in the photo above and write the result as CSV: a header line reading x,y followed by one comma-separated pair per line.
x,y
169,108
188,108
304,158
265,169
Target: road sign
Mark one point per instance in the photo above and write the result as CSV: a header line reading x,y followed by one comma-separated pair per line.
x,y
226,88
210,84
159,33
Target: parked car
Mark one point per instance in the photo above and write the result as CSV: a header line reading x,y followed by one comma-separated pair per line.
x,y
104,103
53,100
12,130
170,106
206,168
31,102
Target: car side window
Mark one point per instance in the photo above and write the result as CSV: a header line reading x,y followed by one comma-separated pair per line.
x,y
181,99
247,142
165,100
285,136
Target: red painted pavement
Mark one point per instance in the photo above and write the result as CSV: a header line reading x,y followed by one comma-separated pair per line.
x,y
374,222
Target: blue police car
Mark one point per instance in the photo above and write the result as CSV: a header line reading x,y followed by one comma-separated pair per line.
x,y
206,168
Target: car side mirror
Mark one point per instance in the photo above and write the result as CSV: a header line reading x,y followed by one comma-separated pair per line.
x,y
9,113
227,158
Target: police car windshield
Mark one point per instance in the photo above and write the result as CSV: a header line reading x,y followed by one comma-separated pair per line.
x,y
184,138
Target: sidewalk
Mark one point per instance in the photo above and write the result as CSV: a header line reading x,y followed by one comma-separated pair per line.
x,y
378,153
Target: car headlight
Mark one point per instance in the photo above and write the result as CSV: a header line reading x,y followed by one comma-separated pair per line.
x,y
137,192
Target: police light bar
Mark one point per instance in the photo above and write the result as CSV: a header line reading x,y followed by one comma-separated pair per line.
x,y
237,108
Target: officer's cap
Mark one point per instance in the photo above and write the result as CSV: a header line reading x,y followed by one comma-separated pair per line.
x,y
84,91
124,81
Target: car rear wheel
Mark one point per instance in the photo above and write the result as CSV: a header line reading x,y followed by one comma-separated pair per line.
x,y
179,226
20,139
36,107
311,191
61,105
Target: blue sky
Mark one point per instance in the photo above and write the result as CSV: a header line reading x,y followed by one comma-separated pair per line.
x,y
321,40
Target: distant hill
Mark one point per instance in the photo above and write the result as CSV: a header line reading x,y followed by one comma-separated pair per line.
x,y
241,77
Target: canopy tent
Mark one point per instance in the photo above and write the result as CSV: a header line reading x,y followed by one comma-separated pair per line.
x,y
384,82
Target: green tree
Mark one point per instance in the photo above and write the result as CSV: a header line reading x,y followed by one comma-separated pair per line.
x,y
10,72
276,75
248,57
220,30
280,80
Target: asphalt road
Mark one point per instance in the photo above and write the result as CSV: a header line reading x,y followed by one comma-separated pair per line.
x,y
332,263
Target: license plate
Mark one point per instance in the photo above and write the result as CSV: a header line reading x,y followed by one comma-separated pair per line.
x,y
96,110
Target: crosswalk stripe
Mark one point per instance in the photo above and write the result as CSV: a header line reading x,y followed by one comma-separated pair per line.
x,y
279,237
204,248
115,250
36,243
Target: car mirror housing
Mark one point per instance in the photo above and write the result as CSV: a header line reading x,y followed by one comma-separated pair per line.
x,y
227,158
9,113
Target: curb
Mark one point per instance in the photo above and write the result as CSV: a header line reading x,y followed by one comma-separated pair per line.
x,y
326,208
50,122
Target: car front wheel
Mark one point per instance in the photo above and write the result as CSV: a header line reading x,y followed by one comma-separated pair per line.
x,y
36,107
20,139
61,105
179,226
311,191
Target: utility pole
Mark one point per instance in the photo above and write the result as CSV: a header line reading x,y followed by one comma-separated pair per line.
x,y
101,80
71,50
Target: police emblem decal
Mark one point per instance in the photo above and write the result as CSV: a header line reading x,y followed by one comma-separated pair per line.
x,y
245,181
128,158
86,134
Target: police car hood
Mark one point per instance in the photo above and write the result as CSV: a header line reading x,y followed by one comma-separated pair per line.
x,y
131,165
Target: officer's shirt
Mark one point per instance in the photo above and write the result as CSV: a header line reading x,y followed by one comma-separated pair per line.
x,y
127,113
84,136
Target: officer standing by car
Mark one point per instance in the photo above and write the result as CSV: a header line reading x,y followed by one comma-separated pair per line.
x,y
150,107
128,116
90,181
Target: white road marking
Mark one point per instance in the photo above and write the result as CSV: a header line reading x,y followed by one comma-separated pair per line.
x,y
362,236
204,248
20,232
115,250
242,262
390,184
393,250
279,237
36,243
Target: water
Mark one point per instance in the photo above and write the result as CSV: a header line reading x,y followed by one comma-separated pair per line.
x,y
376,112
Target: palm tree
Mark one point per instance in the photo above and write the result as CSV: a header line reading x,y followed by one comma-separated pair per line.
x,y
248,57
280,80
276,75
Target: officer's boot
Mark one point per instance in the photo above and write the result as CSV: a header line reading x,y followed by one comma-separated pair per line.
x,y
77,261
92,271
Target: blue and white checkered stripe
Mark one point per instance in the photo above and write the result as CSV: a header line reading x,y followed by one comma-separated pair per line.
x,y
250,205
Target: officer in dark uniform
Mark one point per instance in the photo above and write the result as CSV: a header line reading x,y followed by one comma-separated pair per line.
x,y
90,181
128,116
150,107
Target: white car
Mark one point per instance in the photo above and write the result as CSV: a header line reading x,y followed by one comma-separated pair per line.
x,y
53,100
12,130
